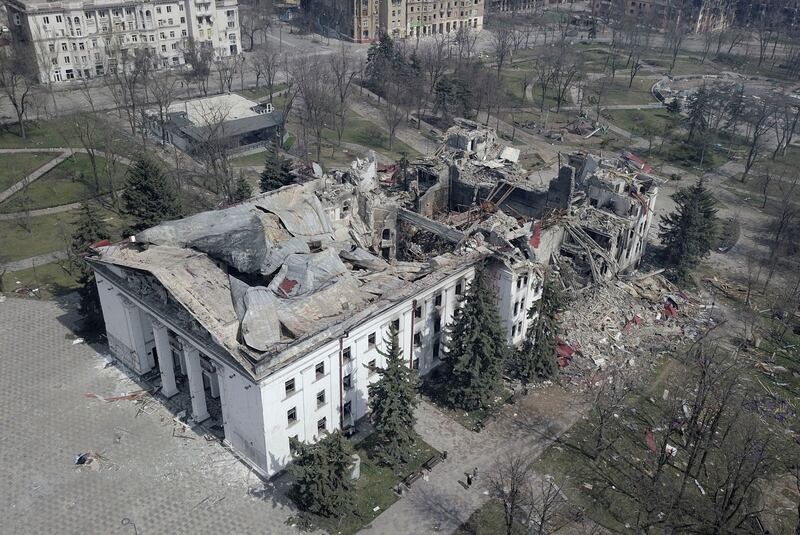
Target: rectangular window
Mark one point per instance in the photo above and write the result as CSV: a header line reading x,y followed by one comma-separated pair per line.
x,y
46,20
320,398
418,312
58,18
347,409
320,369
292,449
437,301
289,386
64,46
183,20
371,340
459,288
415,364
396,324
417,339
372,366
291,415
346,355
436,350
322,424
169,9
347,382
51,47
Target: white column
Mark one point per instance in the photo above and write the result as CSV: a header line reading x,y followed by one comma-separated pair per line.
x,y
141,366
213,381
165,362
196,389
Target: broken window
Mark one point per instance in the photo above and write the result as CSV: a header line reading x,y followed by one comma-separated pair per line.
x,y
347,409
291,415
346,355
322,424
320,369
436,350
347,382
289,386
437,324
396,324
320,398
387,234
372,366
437,301
417,339
459,288
415,364
371,340
418,312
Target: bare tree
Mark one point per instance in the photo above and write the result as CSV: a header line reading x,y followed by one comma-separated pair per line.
x,y
126,80
198,55
255,17
17,79
760,118
313,81
227,67
465,40
433,57
266,65
394,106
509,481
501,44
343,72
163,90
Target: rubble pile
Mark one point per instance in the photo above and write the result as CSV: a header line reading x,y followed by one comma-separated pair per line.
x,y
626,323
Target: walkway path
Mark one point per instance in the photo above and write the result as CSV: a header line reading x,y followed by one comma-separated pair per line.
x,y
38,173
42,211
441,504
28,263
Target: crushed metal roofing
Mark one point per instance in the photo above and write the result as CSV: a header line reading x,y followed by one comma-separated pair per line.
x,y
249,276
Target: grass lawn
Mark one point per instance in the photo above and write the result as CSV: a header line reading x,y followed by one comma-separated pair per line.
x,y
52,133
636,120
364,133
617,91
70,181
46,233
50,280
262,93
488,520
373,489
683,65
17,166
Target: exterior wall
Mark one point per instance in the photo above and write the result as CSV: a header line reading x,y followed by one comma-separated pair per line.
x,y
517,289
243,415
428,17
276,402
74,40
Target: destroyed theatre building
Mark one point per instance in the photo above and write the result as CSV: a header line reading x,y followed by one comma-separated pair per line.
x,y
268,318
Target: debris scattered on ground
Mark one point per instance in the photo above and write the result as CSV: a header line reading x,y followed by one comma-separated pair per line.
x,y
78,341
130,396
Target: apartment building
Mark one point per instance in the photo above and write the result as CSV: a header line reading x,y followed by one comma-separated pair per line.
x,y
76,40
698,15
365,20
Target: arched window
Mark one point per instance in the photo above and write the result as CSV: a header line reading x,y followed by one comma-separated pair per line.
x,y
77,20
387,234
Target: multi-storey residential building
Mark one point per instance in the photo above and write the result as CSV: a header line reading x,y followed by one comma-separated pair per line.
x,y
78,39
697,15
365,20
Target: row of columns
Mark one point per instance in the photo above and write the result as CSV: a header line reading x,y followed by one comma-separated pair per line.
x,y
191,367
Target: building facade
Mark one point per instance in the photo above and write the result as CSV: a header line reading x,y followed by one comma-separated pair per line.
x,y
76,40
365,20
268,319
697,15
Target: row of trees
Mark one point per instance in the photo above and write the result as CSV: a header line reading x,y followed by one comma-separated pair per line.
x,y
474,362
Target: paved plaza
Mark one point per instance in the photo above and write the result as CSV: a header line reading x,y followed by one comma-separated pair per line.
x,y
161,482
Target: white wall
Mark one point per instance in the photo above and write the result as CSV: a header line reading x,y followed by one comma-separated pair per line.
x,y
242,415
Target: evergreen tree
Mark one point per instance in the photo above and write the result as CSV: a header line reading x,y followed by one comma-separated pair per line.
x,y
476,349
322,475
537,357
674,106
393,399
697,109
88,230
689,233
381,58
242,190
149,197
277,171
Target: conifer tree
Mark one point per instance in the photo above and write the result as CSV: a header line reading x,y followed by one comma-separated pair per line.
x,y
537,357
149,197
242,190
697,110
689,233
277,171
88,230
322,475
393,399
674,106
476,349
